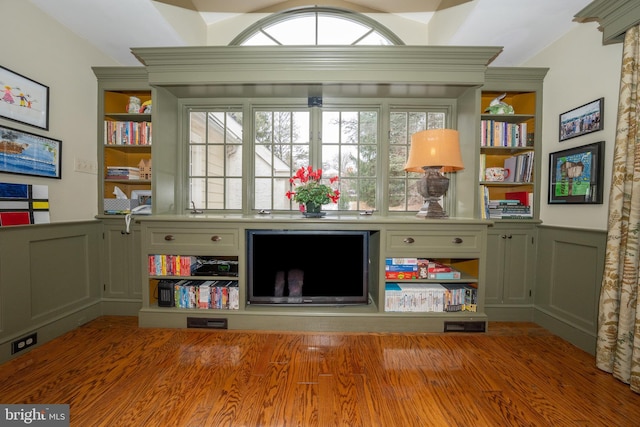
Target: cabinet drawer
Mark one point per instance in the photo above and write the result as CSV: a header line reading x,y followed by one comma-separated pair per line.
x,y
450,242
196,238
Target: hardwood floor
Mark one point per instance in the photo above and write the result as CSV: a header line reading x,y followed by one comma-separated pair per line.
x,y
113,373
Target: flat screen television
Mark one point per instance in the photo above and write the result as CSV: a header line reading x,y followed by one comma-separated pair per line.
x,y
307,267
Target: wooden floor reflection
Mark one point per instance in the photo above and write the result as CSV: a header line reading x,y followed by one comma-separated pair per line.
x,y
113,373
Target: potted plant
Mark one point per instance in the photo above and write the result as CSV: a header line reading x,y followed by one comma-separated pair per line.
x,y
308,190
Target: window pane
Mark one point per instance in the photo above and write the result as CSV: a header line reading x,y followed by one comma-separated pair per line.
x,y
198,189
215,193
338,31
375,39
403,195
198,164
215,166
397,195
259,39
282,147
300,127
349,145
263,193
331,127
334,27
233,193
215,155
296,31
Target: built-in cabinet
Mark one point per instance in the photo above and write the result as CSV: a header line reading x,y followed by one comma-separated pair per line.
x,y
509,175
510,278
460,242
509,138
122,270
212,73
124,139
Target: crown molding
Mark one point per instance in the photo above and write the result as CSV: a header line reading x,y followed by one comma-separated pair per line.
x,y
335,64
614,16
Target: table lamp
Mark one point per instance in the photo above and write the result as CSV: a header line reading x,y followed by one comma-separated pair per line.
x,y
434,151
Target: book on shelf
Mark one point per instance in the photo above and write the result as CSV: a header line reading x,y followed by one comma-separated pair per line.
x,y
401,267
429,297
495,133
450,275
461,297
122,172
206,294
436,267
170,265
520,167
401,275
520,196
127,133
509,209
401,261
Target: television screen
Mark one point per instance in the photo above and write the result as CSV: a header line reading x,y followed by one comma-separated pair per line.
x,y
307,267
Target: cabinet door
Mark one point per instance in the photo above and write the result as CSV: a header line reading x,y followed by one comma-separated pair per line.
x,y
510,260
122,270
494,277
518,267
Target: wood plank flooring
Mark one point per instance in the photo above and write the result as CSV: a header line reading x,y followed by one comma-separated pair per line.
x,y
113,373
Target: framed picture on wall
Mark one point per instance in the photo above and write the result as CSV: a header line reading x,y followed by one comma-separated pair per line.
x,y
26,153
23,100
575,175
582,120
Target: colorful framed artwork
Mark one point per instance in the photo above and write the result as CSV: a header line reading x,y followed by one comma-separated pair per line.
x,y
22,204
575,175
582,120
23,100
26,153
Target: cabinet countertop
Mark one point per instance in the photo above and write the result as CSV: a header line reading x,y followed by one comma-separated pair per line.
x,y
298,219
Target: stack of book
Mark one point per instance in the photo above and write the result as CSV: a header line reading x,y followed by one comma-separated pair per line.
x,y
127,133
421,297
207,294
401,268
520,168
437,271
171,265
430,297
460,297
509,209
502,134
122,172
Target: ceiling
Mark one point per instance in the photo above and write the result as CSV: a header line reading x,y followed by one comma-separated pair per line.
x,y
523,27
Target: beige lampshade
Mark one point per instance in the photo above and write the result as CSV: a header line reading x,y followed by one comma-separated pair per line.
x,y
435,147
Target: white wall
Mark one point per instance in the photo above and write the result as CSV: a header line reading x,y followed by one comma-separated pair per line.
x,y
581,70
39,48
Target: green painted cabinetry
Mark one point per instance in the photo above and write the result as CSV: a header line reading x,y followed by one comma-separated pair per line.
x,y
510,278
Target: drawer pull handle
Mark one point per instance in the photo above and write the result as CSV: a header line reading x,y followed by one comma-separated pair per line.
x,y
409,240
457,240
169,237
216,238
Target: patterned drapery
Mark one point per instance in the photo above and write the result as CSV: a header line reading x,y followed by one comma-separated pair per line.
x,y
618,342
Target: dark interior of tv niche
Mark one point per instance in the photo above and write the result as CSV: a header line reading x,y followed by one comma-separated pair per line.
x,y
319,267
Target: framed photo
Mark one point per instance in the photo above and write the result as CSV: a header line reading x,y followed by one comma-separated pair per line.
x,y
575,175
582,120
23,100
26,153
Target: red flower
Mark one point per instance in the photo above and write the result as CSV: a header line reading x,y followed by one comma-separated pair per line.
x,y
310,189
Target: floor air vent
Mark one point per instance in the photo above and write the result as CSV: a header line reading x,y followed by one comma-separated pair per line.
x,y
206,323
464,326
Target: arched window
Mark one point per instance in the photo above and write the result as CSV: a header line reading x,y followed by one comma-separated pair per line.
x,y
316,26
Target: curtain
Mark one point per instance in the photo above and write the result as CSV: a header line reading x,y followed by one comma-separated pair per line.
x,y
618,341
